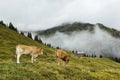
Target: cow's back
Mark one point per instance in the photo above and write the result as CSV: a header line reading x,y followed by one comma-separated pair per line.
x,y
24,49
61,53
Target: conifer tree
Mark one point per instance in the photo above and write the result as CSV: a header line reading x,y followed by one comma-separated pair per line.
x,y
29,35
12,27
2,23
38,39
101,56
22,33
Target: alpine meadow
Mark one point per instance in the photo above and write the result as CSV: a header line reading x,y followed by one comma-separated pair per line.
x,y
46,68
59,39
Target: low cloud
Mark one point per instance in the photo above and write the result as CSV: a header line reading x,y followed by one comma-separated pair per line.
x,y
42,14
98,42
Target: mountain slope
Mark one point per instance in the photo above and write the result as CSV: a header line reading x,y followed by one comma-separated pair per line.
x,y
92,39
45,68
77,26
9,39
66,28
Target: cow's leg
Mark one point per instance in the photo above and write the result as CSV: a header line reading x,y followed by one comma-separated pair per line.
x,y
32,58
18,57
57,60
35,59
65,62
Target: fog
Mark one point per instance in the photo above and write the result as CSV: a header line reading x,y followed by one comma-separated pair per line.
x,y
34,15
97,42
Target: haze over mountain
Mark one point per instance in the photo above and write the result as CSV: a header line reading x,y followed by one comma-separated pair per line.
x,y
91,38
42,14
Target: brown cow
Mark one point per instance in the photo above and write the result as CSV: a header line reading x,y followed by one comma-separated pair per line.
x,y
61,54
32,50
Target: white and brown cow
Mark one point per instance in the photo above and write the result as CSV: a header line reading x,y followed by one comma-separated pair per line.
x,y
32,50
61,54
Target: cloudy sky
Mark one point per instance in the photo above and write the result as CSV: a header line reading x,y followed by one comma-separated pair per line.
x,y
42,14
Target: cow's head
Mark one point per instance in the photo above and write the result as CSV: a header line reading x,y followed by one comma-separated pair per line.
x,y
40,51
67,61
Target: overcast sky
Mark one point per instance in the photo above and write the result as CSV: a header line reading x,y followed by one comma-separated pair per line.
x,y
42,14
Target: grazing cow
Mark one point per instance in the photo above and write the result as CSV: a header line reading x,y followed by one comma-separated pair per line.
x,y
32,50
60,54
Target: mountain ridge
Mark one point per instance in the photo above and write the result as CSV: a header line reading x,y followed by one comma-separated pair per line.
x,y
88,36
77,26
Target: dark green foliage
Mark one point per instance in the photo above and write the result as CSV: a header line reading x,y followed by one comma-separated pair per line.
x,y
57,47
12,27
67,28
73,52
49,45
22,33
116,59
45,44
38,39
111,31
85,55
93,55
77,26
29,35
101,56
2,23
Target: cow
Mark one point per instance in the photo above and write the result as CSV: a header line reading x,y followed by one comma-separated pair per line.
x,y
31,50
61,55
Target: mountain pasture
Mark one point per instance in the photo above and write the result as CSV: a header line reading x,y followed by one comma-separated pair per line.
x,y
46,68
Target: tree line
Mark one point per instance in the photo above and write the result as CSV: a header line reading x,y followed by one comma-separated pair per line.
x,y
36,38
11,26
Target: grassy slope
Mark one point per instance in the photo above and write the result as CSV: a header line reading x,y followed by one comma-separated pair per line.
x,y
45,67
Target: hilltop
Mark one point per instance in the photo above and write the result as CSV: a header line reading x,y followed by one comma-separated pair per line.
x,y
77,26
67,28
45,68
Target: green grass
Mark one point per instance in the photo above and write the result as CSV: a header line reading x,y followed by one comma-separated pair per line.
x,y
45,68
